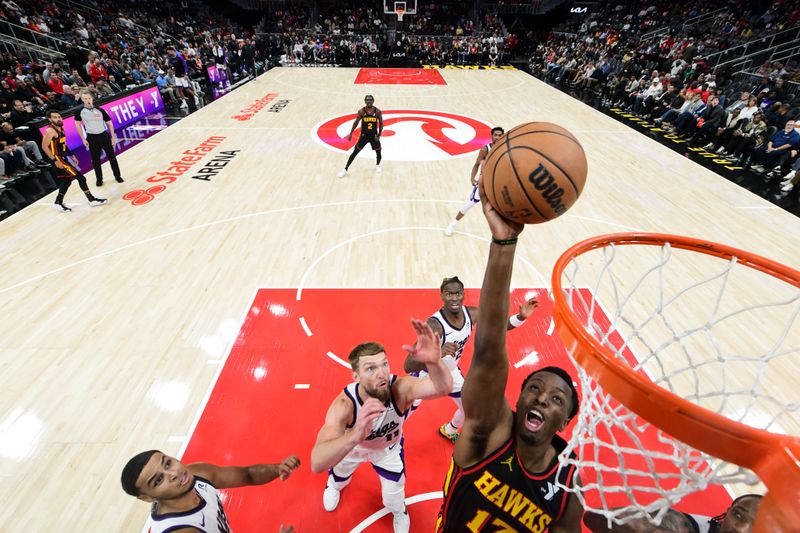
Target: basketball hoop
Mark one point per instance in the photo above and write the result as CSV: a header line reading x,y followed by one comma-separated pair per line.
x,y
399,11
665,346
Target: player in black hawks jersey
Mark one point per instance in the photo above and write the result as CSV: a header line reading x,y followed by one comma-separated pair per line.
x,y
65,165
371,128
504,471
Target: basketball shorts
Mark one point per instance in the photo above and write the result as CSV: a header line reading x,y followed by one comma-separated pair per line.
x,y
375,143
181,81
387,462
475,196
68,172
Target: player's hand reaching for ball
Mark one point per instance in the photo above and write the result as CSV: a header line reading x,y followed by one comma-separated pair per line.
x,y
287,466
428,348
369,412
526,308
502,228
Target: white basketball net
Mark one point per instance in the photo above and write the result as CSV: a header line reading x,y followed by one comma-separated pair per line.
x,y
717,333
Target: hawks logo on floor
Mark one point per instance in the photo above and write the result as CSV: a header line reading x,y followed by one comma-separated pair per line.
x,y
411,135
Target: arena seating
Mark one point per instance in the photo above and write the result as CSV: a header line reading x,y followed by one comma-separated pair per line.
x,y
637,62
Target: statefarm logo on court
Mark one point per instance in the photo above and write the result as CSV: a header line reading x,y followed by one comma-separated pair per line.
x,y
250,111
176,169
410,135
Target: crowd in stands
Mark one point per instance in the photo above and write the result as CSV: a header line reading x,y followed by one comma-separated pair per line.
x,y
309,48
360,33
366,16
107,47
750,121
113,45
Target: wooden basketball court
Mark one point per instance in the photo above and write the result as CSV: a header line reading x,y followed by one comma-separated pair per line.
x,y
232,255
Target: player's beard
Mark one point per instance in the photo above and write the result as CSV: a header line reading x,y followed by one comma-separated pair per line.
x,y
380,394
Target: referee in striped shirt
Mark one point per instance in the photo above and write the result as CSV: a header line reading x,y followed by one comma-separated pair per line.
x,y
96,136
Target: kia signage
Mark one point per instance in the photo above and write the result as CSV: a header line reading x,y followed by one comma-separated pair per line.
x,y
582,8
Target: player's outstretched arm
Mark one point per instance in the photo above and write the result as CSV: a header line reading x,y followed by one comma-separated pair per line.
x,y
488,421
228,477
335,440
514,321
428,351
525,311
411,364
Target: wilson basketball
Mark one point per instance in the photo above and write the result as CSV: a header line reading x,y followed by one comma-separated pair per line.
x,y
535,172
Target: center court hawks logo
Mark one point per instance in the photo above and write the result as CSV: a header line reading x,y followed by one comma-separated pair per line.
x,y
411,135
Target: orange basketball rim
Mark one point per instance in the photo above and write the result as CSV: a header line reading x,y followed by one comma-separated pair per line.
x,y
773,457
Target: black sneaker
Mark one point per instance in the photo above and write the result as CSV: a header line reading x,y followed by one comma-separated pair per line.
x,y
119,179
99,182
93,201
62,207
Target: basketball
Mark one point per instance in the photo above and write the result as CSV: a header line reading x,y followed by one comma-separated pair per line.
x,y
535,172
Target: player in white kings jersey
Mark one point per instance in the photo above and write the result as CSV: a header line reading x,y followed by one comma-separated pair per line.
x,y
474,197
365,421
453,323
184,497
